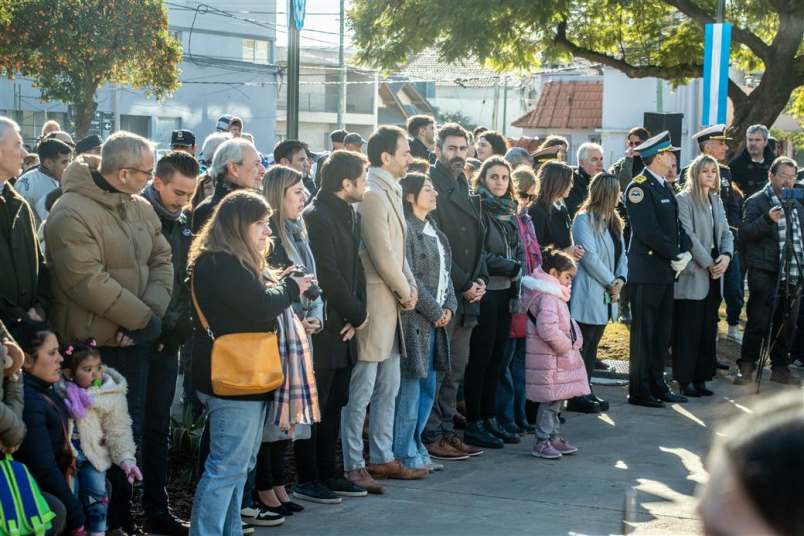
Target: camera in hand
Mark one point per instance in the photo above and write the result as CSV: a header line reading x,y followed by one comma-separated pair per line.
x,y
791,194
312,293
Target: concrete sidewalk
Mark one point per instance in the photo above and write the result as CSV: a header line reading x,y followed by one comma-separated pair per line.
x,y
659,452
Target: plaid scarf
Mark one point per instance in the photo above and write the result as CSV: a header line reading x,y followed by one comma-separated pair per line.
x,y
296,401
781,229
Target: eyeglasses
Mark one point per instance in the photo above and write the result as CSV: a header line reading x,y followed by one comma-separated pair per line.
x,y
149,173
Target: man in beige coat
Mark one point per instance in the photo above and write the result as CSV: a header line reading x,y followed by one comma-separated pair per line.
x,y
389,287
112,274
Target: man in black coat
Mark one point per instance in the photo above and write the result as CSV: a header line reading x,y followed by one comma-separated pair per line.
x,y
421,129
235,166
458,217
658,250
333,228
22,282
169,193
764,224
590,163
750,168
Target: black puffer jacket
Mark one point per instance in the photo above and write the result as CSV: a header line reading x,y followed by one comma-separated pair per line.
x,y
750,176
177,325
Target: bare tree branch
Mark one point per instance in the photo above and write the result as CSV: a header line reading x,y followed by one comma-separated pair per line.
x,y
741,35
682,70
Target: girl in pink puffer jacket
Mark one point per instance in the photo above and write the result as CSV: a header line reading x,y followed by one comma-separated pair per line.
x,y
554,369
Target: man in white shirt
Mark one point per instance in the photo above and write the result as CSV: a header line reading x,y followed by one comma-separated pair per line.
x,y
35,184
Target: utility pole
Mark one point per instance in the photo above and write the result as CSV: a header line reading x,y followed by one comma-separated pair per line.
x,y
720,14
495,109
295,24
505,105
343,72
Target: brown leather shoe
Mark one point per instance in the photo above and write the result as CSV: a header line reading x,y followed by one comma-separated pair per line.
x,y
442,450
458,444
394,469
362,478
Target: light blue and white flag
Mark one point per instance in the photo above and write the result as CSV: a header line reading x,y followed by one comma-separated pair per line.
x,y
717,46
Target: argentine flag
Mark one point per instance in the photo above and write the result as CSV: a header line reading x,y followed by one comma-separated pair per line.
x,y
717,46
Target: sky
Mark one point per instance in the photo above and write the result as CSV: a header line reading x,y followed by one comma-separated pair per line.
x,y
320,26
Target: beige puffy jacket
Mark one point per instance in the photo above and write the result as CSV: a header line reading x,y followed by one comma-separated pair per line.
x,y
110,263
105,431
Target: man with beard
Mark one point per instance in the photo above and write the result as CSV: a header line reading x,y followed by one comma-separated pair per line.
x,y
458,217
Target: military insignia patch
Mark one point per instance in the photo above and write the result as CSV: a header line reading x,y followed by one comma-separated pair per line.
x,y
640,179
636,195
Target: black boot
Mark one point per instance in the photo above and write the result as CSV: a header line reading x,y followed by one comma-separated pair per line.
x,y
494,428
477,435
691,390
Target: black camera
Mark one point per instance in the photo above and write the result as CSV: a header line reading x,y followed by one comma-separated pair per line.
x,y
312,293
789,194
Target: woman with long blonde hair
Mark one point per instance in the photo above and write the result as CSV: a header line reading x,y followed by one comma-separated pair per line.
x,y
283,188
698,289
602,272
235,292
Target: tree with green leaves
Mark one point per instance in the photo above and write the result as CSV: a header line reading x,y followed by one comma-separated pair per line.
x,y
70,48
641,38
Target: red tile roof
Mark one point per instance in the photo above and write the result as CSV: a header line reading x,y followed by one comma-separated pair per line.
x,y
566,104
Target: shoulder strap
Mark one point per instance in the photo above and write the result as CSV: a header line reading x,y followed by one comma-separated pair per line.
x,y
532,317
198,310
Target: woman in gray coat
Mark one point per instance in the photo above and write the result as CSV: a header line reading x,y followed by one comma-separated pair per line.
x,y
698,287
602,272
424,328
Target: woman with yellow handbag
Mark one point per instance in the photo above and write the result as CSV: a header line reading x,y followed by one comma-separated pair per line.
x,y
235,364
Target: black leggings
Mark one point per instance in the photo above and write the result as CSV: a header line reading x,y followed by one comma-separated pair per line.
x,y
270,470
486,355
592,333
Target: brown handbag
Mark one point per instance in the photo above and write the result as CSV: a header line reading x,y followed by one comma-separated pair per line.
x,y
242,364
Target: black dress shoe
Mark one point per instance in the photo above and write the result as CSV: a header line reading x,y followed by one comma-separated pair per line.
x,y
648,402
691,391
494,428
529,428
477,435
672,398
723,365
604,404
583,404
701,388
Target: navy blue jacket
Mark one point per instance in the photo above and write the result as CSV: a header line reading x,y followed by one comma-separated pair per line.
x,y
656,234
45,444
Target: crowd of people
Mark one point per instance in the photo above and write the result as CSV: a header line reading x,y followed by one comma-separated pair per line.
x,y
397,290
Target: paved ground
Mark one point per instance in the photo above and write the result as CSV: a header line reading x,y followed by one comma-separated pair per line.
x,y
658,453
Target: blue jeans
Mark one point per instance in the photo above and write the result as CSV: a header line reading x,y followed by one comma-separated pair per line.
x,y
511,389
377,384
90,486
235,433
734,290
413,406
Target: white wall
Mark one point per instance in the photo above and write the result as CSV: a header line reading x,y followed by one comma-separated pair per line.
x,y
478,105
625,100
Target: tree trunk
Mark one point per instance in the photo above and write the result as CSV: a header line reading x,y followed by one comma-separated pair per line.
x,y
84,113
762,106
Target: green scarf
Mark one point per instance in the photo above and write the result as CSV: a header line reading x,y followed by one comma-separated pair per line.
x,y
502,208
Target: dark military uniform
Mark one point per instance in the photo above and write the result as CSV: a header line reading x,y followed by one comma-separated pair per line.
x,y
656,239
